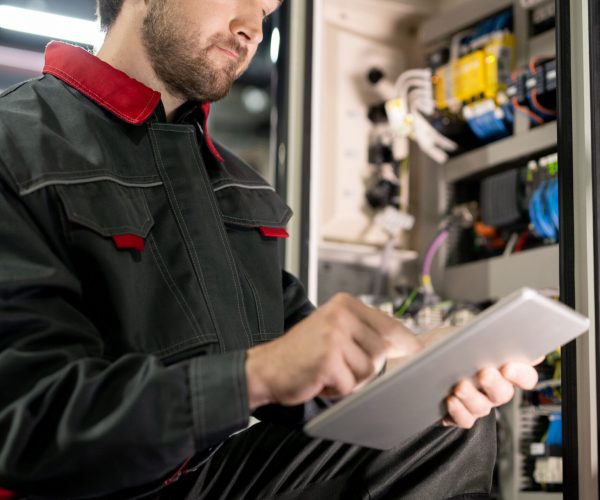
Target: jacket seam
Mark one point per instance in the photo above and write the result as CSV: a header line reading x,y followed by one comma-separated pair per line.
x,y
233,179
257,187
254,292
74,182
164,271
217,214
256,222
186,237
176,348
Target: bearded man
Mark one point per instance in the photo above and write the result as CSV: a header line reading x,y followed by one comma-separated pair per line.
x,y
144,316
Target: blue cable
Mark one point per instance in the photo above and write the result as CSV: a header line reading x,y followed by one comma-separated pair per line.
x,y
540,215
552,202
533,216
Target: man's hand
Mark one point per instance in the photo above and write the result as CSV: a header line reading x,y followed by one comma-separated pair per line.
x,y
338,348
490,388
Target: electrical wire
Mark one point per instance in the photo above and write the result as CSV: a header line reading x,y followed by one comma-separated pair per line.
x,y
526,111
533,95
407,303
538,106
436,244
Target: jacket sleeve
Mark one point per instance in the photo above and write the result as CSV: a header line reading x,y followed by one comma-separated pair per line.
x,y
297,306
73,423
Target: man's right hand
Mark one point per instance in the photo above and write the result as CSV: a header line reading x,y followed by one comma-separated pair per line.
x,y
337,349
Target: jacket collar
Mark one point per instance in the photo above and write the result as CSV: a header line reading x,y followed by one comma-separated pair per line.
x,y
109,87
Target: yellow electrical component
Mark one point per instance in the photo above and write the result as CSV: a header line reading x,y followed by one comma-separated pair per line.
x,y
442,85
458,90
500,56
483,73
469,76
475,75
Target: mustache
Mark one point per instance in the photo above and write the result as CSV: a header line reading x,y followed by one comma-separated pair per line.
x,y
230,43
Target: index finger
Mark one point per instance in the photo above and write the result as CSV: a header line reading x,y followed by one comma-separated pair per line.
x,y
399,339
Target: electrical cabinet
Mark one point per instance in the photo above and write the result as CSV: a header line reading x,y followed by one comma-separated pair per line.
x,y
349,247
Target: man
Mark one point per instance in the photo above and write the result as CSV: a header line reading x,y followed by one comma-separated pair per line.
x,y
142,306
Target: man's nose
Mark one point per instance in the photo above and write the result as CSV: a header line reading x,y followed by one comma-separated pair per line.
x,y
248,23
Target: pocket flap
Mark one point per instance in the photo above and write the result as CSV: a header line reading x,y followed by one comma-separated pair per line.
x,y
252,206
107,208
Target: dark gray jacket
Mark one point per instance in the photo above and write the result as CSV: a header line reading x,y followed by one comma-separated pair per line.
x,y
138,263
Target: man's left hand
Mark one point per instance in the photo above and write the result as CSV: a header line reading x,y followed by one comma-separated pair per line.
x,y
490,388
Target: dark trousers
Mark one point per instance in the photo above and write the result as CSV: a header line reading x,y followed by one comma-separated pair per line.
x,y
271,461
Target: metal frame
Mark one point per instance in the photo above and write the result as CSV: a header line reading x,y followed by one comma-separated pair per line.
x,y
579,246
594,44
567,245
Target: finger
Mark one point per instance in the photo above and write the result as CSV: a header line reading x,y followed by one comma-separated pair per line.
x,y
459,414
370,342
538,361
359,362
476,403
340,381
521,375
497,389
347,321
399,340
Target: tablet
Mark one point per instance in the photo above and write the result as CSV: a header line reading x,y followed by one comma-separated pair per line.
x,y
393,408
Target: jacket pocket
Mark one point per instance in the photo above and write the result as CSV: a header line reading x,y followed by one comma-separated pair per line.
x,y
136,299
256,218
107,208
252,205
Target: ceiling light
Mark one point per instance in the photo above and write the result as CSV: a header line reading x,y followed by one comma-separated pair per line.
x,y
275,45
49,25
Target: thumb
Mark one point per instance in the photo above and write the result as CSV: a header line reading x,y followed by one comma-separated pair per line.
x,y
400,341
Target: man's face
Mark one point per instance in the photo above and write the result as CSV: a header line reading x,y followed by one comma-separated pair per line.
x,y
198,48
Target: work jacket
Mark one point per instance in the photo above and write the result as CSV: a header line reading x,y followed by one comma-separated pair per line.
x,y
138,263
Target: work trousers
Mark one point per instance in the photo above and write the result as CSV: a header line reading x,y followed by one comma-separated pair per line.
x,y
270,461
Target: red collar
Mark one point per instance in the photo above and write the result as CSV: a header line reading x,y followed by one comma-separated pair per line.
x,y
108,87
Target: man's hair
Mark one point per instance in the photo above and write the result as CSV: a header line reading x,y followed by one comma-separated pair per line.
x,y
108,10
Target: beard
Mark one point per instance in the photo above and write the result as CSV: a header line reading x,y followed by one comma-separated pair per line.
x,y
183,64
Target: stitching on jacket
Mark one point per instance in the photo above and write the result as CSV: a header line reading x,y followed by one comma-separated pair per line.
x,y
244,186
89,180
231,178
261,321
186,236
166,275
269,335
176,348
221,230
70,79
256,222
